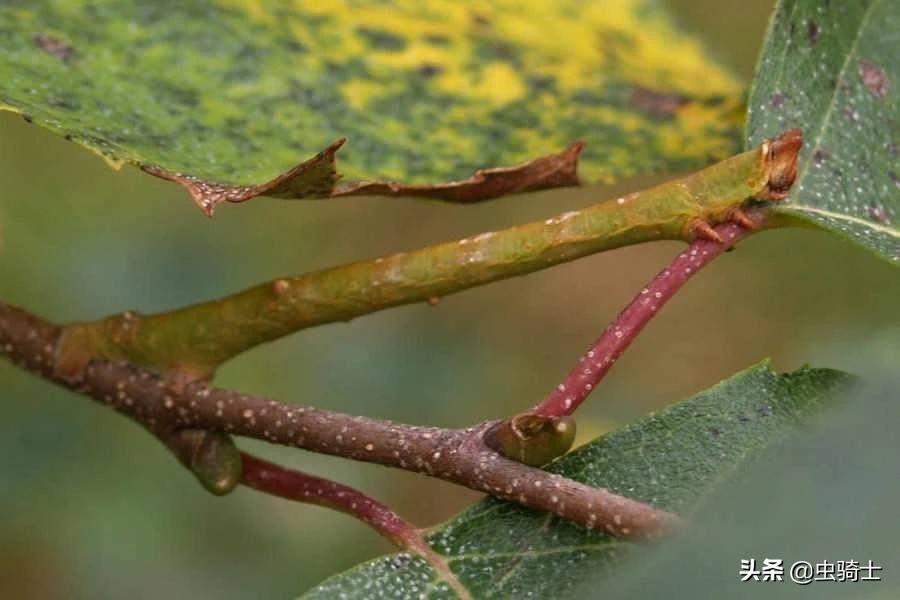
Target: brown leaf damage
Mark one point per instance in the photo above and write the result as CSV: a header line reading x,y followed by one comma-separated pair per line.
x,y
54,46
550,171
318,176
656,103
874,78
311,178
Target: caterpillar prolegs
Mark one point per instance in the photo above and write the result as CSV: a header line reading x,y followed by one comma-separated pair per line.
x,y
690,206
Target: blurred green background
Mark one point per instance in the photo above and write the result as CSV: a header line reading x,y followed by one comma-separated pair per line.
x,y
94,508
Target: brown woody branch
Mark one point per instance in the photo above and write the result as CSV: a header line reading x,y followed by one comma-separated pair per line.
x,y
461,456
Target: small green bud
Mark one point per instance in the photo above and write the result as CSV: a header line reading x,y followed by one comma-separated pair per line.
x,y
211,456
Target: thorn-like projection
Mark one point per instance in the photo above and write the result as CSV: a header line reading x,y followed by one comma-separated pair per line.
x,y
700,229
737,215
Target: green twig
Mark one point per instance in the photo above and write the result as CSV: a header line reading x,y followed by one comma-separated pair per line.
x,y
197,339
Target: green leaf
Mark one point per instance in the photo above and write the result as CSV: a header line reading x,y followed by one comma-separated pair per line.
x,y
672,459
827,494
225,96
833,70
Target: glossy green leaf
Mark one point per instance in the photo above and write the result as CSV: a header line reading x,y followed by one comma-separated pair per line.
x,y
672,459
833,70
238,91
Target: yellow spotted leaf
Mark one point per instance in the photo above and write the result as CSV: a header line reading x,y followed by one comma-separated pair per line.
x,y
459,101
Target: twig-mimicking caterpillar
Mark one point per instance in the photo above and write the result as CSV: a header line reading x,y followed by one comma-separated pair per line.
x,y
692,204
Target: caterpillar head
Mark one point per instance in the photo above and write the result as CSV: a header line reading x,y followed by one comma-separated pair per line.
x,y
779,156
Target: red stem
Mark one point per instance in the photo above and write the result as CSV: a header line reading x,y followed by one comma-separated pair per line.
x,y
295,485
273,479
594,365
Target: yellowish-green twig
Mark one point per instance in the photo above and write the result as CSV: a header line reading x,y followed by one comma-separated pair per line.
x,y
196,339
